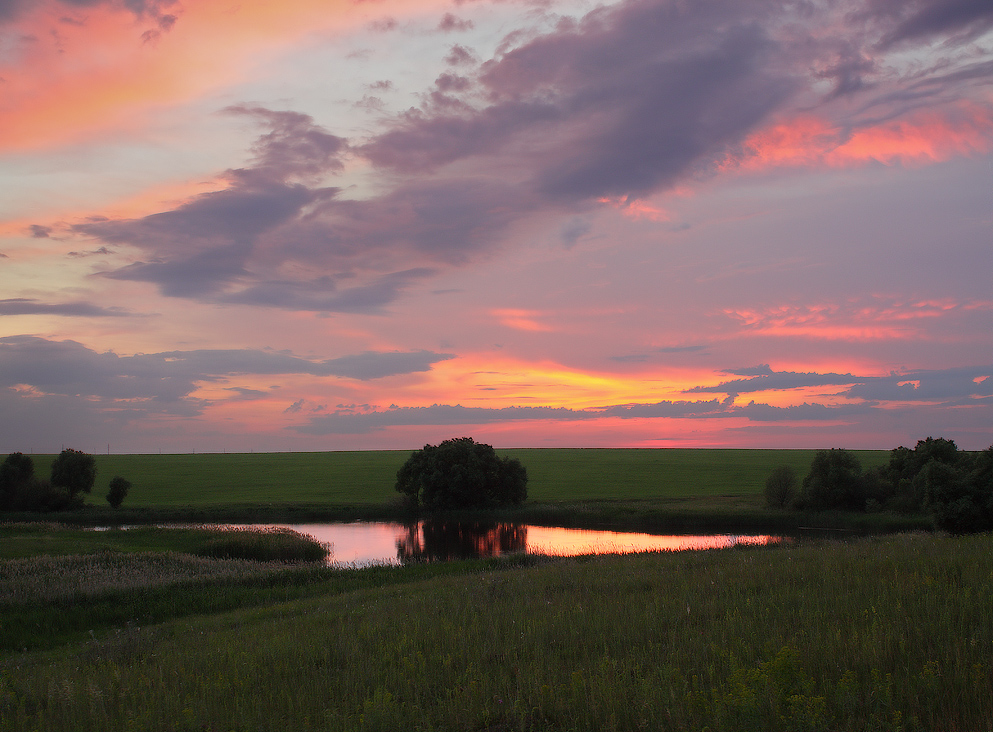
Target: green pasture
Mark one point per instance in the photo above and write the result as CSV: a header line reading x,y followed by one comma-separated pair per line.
x,y
367,477
884,633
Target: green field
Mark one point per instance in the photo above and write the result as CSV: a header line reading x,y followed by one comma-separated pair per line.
x,y
366,478
887,633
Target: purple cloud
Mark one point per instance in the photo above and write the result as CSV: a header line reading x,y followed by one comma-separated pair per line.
x,y
626,102
449,23
27,306
68,368
923,19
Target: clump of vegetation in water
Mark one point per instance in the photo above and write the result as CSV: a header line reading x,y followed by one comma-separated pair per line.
x,y
264,545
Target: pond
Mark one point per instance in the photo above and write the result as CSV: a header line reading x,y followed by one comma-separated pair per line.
x,y
365,543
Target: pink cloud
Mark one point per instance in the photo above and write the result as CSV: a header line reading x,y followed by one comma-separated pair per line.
x,y
925,137
852,320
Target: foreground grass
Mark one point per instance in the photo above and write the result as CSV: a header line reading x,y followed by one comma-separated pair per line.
x,y
366,478
892,633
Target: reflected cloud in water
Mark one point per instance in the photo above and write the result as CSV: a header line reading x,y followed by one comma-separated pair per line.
x,y
367,543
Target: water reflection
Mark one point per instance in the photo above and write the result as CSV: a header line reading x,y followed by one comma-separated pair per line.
x,y
435,540
365,543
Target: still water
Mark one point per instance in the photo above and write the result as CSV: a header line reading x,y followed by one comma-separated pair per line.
x,y
365,543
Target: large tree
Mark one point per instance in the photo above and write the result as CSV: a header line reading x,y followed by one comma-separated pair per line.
x,y
74,471
461,473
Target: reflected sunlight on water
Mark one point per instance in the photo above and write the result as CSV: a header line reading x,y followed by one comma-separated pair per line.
x,y
366,543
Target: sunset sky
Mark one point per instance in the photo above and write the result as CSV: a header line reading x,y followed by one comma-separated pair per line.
x,y
248,225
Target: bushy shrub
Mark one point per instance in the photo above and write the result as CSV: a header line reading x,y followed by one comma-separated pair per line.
x,y
119,488
461,473
780,487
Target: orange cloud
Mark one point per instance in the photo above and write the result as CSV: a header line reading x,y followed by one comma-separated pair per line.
x,y
925,137
521,320
73,80
496,380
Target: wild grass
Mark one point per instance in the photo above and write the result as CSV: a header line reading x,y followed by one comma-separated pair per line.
x,y
886,633
69,579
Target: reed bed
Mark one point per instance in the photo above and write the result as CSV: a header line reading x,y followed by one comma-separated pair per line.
x,y
272,544
66,578
891,633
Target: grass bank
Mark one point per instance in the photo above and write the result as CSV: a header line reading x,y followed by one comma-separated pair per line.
x,y
884,633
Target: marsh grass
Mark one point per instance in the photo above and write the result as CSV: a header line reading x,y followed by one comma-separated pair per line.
x,y
264,545
892,633
71,578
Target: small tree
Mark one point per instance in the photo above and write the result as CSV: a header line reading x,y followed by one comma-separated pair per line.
x,y
119,488
780,487
461,473
74,471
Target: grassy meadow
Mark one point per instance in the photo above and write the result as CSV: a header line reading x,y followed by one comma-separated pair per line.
x,y
660,491
366,478
879,633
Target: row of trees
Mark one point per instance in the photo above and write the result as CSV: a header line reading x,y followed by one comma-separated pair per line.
x,y
73,474
954,486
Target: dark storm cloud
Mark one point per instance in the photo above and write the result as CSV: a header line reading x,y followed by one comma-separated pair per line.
x,y
26,306
69,368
